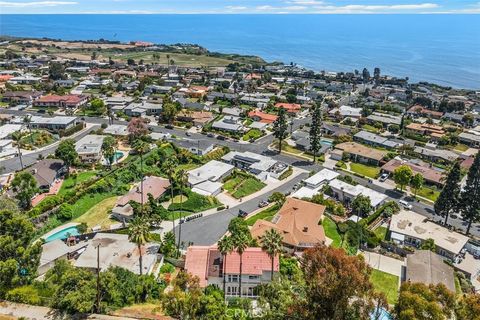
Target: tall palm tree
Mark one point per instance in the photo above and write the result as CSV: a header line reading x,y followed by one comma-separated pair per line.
x,y
225,246
17,136
170,168
27,120
272,244
182,180
139,233
241,242
141,147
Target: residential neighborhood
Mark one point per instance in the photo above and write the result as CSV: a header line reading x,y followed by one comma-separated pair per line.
x,y
229,181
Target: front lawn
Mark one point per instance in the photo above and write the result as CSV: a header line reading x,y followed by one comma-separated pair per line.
x,y
368,171
370,128
75,179
87,202
252,134
242,185
386,283
429,193
330,228
98,215
381,232
266,214
37,139
194,203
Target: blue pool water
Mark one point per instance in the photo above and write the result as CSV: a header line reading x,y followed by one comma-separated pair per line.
x,y
63,234
118,155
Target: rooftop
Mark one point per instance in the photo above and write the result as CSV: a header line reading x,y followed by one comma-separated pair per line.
x,y
428,267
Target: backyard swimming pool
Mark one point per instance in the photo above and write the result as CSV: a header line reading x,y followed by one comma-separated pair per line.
x,y
63,234
118,155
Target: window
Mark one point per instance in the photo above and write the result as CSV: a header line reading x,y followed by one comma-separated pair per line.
x,y
253,277
232,278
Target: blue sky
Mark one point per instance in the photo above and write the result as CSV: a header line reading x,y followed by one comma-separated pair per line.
x,y
240,6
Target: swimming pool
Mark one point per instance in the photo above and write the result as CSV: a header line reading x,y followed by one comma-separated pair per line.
x,y
63,234
326,142
118,155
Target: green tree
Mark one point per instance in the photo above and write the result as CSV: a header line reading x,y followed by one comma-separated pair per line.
x,y
169,112
429,244
109,146
25,187
170,169
280,128
141,148
182,182
97,106
66,152
19,257
416,183
56,71
448,199
315,133
271,242
402,176
27,120
225,246
421,302
361,205
17,137
278,198
468,307
470,196
241,242
139,233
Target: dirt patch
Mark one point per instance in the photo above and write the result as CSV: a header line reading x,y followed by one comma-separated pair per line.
x,y
78,45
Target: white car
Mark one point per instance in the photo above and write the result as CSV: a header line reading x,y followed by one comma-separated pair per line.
x,y
383,177
405,204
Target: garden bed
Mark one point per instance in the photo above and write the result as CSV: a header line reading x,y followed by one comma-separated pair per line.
x,y
242,185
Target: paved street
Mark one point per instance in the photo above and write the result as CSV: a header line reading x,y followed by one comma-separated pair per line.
x,y
207,230
259,147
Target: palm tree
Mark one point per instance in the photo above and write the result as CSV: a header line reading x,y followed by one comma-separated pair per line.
x,y
272,244
17,136
139,233
182,180
141,147
27,120
241,242
170,168
225,246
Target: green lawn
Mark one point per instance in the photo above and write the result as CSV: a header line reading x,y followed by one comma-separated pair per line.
x,y
461,147
99,214
381,232
87,202
243,185
71,181
252,134
429,193
194,202
368,171
266,214
39,138
370,128
386,283
330,228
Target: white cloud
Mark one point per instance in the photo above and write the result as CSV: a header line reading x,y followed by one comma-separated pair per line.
x,y
8,4
236,8
375,8
306,2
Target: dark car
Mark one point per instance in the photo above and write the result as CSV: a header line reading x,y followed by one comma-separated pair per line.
x,y
188,134
242,214
169,126
221,138
211,135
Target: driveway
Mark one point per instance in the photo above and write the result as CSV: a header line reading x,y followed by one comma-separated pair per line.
x,y
384,263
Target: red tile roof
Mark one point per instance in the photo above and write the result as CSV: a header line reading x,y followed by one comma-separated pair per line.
x,y
290,107
255,261
155,186
264,117
69,99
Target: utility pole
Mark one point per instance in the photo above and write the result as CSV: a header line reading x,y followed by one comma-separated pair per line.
x,y
98,278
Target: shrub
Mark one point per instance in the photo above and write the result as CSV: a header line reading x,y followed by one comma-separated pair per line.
x,y
25,294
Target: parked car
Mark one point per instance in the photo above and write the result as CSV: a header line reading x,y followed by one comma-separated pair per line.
x,y
210,135
242,214
169,126
188,134
263,204
219,137
405,204
383,177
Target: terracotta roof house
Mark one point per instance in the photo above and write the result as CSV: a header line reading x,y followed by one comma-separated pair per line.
x,y
199,118
427,267
68,101
431,130
289,107
297,221
155,186
208,265
429,174
260,116
361,153
419,110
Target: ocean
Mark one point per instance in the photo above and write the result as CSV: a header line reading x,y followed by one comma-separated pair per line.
x,y
444,49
